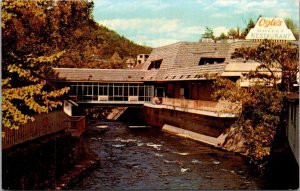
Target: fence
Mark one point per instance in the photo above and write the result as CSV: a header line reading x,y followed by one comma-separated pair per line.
x,y
214,106
43,124
76,125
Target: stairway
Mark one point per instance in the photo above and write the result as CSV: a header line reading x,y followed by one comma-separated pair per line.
x,y
116,113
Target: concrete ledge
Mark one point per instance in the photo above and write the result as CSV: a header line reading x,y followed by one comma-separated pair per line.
x,y
192,135
229,140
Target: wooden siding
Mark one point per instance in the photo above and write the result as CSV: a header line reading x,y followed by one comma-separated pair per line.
x,y
43,124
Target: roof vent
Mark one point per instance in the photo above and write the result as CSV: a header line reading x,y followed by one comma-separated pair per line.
x,y
129,76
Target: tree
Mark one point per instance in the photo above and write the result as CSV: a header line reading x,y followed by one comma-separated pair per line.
x,y
263,110
208,33
28,53
293,26
222,36
232,33
249,26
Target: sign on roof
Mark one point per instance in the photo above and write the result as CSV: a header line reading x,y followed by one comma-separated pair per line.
x,y
270,28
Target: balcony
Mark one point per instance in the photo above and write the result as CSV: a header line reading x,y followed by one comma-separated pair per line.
x,y
76,125
210,108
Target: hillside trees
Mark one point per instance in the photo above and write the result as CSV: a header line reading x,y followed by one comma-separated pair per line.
x,y
38,35
249,26
263,111
293,26
27,52
208,33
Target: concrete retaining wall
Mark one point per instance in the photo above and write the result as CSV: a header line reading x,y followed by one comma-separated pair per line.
x,y
206,125
218,132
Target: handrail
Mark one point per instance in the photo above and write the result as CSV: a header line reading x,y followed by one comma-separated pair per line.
x,y
213,106
77,125
74,118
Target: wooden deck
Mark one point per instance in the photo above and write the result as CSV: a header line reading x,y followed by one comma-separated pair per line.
x,y
208,108
213,106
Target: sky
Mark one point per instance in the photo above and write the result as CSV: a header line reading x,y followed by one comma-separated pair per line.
x,y
157,23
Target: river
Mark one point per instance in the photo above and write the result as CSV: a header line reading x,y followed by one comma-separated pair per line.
x,y
150,159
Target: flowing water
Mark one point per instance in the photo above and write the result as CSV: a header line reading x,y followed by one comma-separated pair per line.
x,y
151,159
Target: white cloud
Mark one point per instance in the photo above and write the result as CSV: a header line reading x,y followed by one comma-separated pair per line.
x,y
219,15
193,30
151,25
132,5
283,14
161,42
218,30
152,32
227,2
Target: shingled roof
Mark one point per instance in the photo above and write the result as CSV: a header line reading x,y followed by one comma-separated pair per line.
x,y
180,61
187,73
96,75
188,54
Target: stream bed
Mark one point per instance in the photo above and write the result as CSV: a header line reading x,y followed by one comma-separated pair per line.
x,y
149,159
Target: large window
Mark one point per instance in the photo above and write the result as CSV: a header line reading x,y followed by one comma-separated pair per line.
x,y
204,61
155,64
114,91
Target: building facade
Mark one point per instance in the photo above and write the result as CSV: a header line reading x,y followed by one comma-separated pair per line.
x,y
174,86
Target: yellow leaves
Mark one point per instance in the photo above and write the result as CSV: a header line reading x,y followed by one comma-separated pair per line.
x,y
6,82
26,73
43,59
12,117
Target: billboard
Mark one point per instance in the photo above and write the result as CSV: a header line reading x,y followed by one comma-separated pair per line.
x,y
270,28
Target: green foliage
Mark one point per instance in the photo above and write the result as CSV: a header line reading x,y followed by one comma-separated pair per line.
x,y
222,36
234,33
38,35
274,58
208,33
293,26
249,26
262,102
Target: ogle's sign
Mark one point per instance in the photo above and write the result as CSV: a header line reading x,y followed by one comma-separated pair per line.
x,y
270,28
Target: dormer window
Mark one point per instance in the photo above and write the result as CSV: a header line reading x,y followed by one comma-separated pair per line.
x,y
155,64
205,61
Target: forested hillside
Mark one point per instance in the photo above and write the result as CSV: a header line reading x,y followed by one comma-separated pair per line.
x,y
88,44
38,35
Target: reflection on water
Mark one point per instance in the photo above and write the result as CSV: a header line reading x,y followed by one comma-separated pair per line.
x,y
151,159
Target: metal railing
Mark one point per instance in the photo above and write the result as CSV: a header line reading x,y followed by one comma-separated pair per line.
x,y
43,124
213,106
76,124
